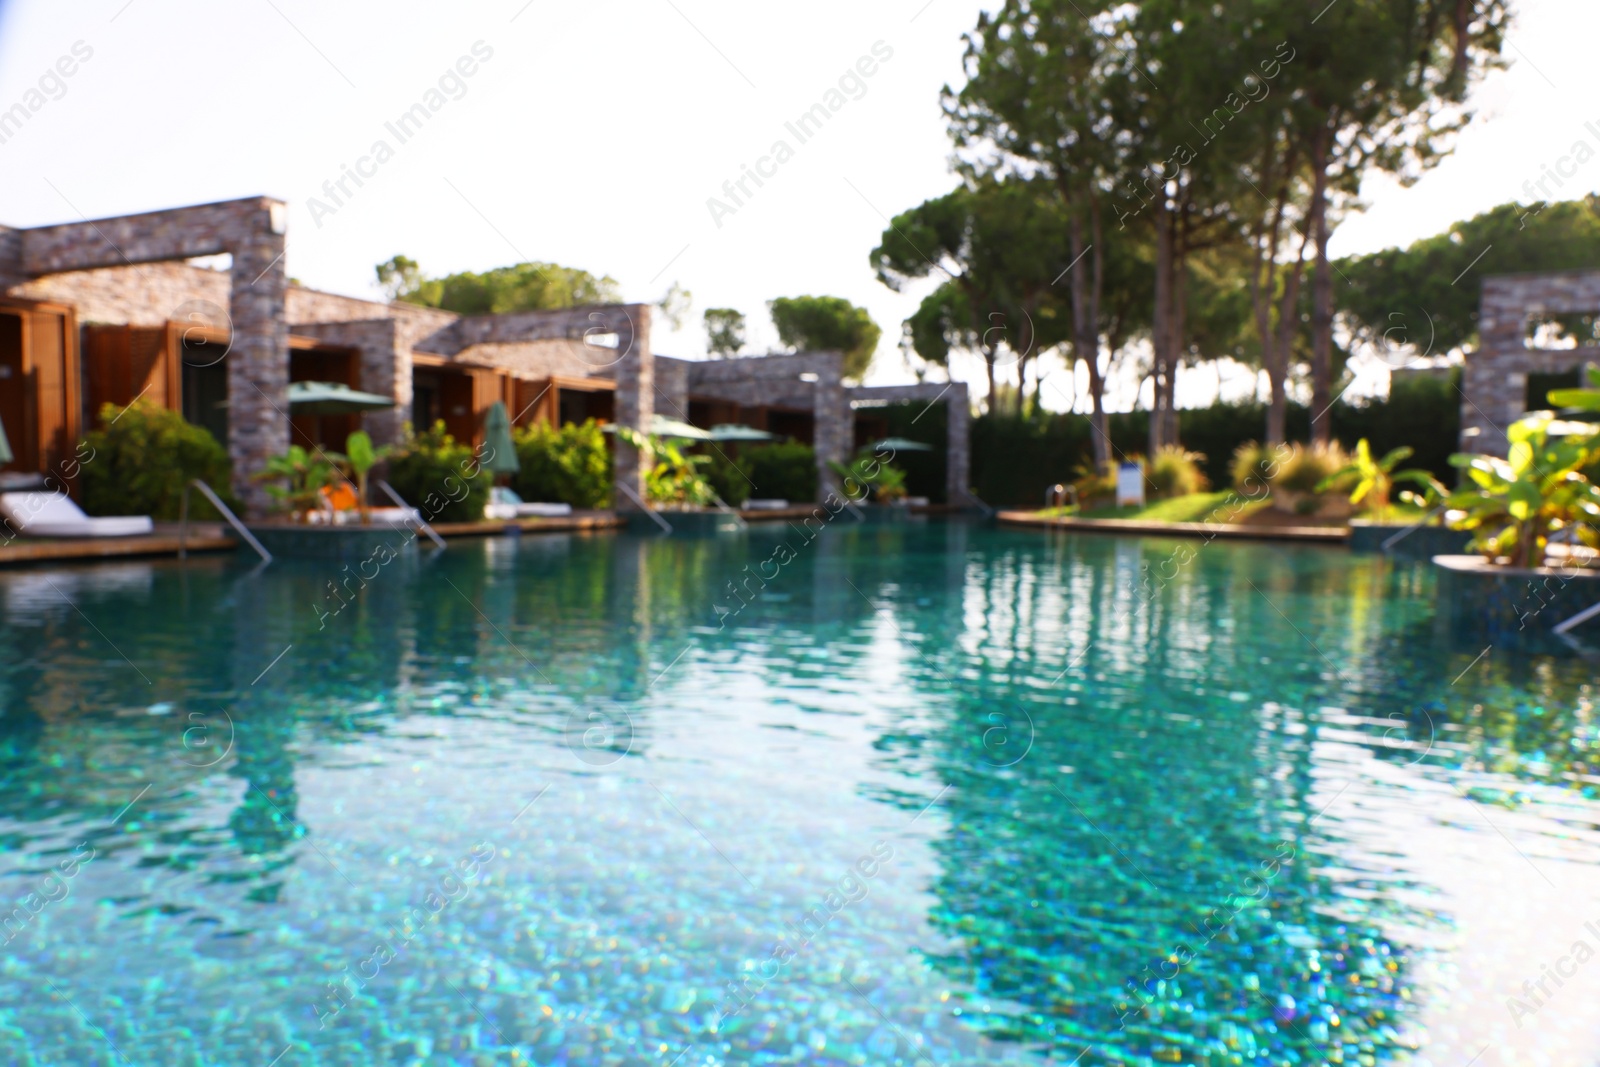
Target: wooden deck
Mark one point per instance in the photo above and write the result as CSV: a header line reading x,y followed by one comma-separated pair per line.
x,y
578,521
1325,535
203,537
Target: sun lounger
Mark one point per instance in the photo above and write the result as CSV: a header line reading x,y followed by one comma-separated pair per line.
x,y
506,504
39,514
769,504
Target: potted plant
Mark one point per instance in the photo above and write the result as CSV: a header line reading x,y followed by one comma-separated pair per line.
x,y
302,476
1375,479
1514,505
360,457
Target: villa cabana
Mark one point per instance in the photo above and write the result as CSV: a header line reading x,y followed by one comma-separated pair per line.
x,y
116,309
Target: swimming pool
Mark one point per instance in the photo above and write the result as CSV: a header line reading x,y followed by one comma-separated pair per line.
x,y
935,793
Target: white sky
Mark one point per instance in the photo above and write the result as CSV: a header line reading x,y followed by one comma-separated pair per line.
x,y
597,131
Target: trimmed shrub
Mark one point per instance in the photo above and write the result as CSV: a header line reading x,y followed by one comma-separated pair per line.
x,y
784,471
1175,471
1305,468
563,465
439,476
1096,488
141,458
728,477
1252,469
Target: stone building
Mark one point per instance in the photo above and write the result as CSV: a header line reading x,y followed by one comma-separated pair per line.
x,y
1500,379
105,311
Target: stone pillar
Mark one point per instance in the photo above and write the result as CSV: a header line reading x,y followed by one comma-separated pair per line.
x,y
11,272
258,359
386,370
635,404
958,448
833,420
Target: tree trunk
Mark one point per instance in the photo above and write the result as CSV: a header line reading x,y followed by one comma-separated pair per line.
x,y
1085,290
1161,320
1321,304
1180,308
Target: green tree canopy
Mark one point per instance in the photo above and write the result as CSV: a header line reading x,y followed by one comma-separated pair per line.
x,y
520,287
1426,295
827,323
996,247
725,331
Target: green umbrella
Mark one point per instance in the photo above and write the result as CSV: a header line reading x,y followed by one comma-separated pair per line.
x,y
5,447
499,449
732,431
661,426
332,398
899,444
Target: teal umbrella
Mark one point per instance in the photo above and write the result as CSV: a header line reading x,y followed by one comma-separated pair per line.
x,y
732,431
899,444
5,447
500,452
661,426
333,398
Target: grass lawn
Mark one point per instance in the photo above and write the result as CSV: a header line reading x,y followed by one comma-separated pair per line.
x,y
1223,506
1195,507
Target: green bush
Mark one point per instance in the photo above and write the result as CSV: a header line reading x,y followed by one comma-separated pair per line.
x,y
1175,471
783,471
1306,468
564,465
729,477
439,476
1252,468
140,459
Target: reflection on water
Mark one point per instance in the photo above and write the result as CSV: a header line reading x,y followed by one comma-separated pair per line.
x,y
1130,803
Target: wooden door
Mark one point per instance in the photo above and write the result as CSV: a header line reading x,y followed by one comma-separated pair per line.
x,y
15,392
127,363
52,416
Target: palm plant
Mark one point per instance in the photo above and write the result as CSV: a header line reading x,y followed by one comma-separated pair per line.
x,y
887,483
1375,479
1515,504
672,477
360,457
303,476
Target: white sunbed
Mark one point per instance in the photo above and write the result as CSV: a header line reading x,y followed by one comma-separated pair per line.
x,y
765,504
40,514
326,516
506,504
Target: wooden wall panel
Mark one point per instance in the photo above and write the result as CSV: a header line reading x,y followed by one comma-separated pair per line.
x,y
124,363
51,351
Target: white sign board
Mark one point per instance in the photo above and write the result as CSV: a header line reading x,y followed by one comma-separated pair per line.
x,y
1130,485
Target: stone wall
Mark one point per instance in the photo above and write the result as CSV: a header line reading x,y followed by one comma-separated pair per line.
x,y
1495,378
958,447
533,359
11,272
803,380
145,294
252,232
672,387
385,368
634,367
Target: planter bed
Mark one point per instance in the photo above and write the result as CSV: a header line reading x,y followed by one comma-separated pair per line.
x,y
1423,542
1483,598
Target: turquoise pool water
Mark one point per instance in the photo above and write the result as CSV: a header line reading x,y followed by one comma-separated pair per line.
x,y
938,793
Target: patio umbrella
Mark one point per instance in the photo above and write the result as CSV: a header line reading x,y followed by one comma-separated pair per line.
x,y
500,451
661,426
5,447
333,398
730,431
899,444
